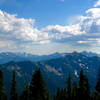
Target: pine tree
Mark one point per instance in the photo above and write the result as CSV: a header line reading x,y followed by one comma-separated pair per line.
x,y
48,96
97,88
96,94
58,95
25,93
2,89
87,88
81,86
37,87
69,88
14,95
75,91
84,87
63,94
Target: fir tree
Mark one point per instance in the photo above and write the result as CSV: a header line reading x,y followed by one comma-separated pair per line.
x,y
69,88
84,88
97,88
75,91
48,96
14,95
58,95
63,94
96,94
87,88
25,93
37,87
2,89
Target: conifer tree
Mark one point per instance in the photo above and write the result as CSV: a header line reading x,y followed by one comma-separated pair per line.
x,y
97,88
96,94
25,94
75,91
38,87
2,89
63,94
13,95
87,88
69,88
84,88
58,95
81,86
48,96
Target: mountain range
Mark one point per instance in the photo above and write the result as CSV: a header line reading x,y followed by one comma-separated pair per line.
x,y
17,57
55,69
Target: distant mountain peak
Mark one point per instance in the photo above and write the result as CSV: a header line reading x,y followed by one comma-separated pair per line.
x,y
11,56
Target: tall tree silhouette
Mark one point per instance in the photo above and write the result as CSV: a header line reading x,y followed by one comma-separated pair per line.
x,y
37,87
63,94
2,89
48,96
69,88
96,94
97,88
58,95
13,95
25,94
84,87
75,91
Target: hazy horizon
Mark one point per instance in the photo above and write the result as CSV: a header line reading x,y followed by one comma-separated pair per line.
x,y
47,26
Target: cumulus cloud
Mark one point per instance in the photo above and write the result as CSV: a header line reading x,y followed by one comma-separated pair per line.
x,y
65,31
84,30
5,43
97,3
19,29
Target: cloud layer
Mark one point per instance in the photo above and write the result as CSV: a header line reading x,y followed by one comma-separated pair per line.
x,y
19,30
85,30
97,3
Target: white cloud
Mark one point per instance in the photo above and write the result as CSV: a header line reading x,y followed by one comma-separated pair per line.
x,y
19,29
65,31
97,3
4,43
82,42
84,30
93,13
62,0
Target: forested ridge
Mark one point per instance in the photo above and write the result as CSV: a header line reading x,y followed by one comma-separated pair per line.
x,y
37,90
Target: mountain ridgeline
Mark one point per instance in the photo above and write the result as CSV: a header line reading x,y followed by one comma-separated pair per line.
x,y
36,89
18,57
55,71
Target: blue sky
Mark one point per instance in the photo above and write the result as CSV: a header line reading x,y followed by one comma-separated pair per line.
x,y
46,12
48,26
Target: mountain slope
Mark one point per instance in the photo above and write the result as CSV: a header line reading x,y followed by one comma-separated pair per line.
x,y
9,56
55,71
18,57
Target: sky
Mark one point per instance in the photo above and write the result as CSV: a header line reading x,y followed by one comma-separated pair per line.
x,y
49,26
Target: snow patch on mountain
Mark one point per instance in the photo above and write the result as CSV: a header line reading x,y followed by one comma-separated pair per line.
x,y
12,68
76,73
19,74
81,65
51,69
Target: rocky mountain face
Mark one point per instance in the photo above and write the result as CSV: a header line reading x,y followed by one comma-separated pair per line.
x,y
55,71
18,57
